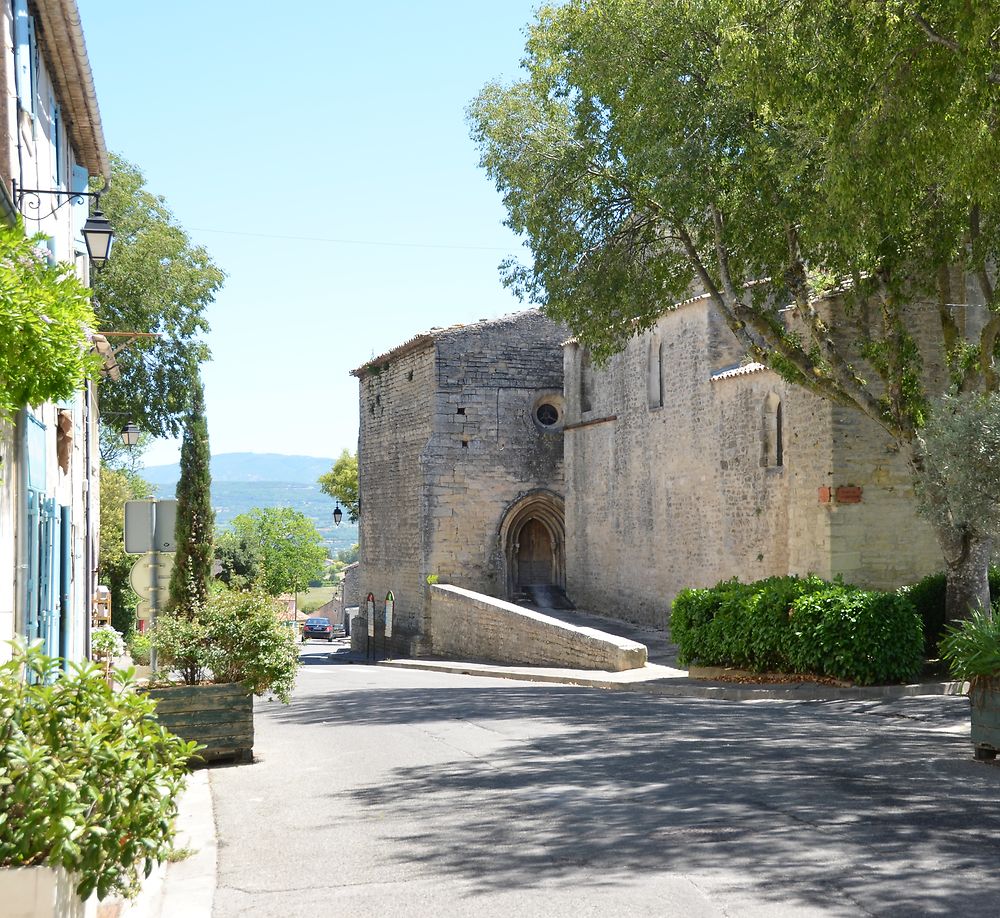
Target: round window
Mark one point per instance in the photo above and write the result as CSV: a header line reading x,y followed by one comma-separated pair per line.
x,y
547,414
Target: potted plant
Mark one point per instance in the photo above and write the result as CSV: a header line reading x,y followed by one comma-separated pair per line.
x,y
88,785
215,661
106,646
972,650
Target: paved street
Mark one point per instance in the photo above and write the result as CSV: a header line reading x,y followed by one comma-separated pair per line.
x,y
383,792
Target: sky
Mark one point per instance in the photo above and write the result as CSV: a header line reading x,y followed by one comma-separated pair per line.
x,y
320,152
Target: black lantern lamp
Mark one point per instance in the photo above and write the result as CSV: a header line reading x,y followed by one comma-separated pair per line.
x,y
338,515
98,236
130,435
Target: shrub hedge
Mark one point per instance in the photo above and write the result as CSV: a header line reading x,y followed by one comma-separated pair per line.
x,y
800,624
928,596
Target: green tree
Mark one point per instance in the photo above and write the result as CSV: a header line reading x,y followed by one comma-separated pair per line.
x,y
837,158
341,483
117,487
288,544
44,316
195,517
239,558
156,281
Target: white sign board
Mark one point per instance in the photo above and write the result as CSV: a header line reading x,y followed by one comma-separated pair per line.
x,y
370,612
389,603
150,526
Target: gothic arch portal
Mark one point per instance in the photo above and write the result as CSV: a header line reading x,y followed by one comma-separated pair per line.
x,y
533,540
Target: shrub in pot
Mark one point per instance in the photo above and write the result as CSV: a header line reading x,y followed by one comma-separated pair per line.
x,y
88,778
972,650
234,648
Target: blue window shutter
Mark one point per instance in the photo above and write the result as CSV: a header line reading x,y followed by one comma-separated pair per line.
x,y
79,181
23,41
31,538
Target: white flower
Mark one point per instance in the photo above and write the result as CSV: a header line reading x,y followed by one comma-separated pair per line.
x,y
107,641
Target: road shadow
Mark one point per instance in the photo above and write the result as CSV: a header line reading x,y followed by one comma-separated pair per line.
x,y
804,803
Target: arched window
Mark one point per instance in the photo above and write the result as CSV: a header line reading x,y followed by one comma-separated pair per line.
x,y
654,372
772,434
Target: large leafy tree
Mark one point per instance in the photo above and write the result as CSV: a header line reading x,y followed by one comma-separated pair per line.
x,y
192,569
341,483
837,157
287,545
157,281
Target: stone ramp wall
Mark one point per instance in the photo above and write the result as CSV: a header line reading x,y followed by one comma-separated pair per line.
x,y
471,626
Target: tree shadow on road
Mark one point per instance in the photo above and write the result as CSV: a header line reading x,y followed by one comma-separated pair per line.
x,y
814,804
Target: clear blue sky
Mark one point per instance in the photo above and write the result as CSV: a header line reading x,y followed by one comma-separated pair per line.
x,y
275,130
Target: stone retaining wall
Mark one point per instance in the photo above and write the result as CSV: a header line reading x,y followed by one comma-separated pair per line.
x,y
471,626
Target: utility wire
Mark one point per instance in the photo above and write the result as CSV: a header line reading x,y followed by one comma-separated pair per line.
x,y
373,242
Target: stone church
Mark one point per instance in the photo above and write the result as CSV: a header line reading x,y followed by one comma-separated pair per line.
x,y
495,456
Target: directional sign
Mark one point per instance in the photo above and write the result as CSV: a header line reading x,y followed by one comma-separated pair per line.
x,y
150,525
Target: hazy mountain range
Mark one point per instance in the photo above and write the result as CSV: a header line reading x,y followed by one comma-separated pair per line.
x,y
241,481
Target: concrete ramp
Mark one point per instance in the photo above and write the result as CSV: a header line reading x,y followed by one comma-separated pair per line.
x,y
474,627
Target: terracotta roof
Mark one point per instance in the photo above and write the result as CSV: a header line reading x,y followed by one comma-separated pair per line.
x,y
744,370
61,37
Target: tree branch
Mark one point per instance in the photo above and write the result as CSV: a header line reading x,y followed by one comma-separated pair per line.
x,y
936,37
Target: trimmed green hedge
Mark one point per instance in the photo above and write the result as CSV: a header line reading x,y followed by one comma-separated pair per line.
x,y
802,625
928,596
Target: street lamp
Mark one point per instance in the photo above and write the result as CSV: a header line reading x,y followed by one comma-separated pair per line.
x,y
130,435
96,232
338,515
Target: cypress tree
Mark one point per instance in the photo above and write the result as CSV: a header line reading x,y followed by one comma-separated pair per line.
x,y
195,517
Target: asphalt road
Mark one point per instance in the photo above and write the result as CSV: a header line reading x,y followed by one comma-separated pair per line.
x,y
382,792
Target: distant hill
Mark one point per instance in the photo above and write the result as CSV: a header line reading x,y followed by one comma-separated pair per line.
x,y
249,467
240,482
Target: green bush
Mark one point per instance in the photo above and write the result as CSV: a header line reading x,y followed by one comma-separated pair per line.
x,y
972,648
929,595
88,779
860,635
237,637
798,624
139,647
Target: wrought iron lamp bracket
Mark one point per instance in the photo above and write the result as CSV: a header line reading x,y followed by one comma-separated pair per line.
x,y
30,198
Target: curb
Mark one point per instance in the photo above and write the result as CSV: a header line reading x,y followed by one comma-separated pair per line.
x,y
686,687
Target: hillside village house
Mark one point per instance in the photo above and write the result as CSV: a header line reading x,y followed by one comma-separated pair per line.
x,y
498,458
50,138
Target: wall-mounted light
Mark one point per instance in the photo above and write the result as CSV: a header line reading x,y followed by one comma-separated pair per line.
x,y
130,435
96,232
338,514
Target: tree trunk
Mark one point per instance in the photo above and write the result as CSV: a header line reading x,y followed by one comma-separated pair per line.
x,y
967,570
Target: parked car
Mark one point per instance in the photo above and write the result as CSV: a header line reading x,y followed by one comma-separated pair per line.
x,y
317,628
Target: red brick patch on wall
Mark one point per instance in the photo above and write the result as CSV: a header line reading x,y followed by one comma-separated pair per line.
x,y
824,495
848,494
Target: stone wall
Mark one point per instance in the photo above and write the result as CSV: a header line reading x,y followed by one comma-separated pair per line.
x,y
396,400
471,626
672,478
488,448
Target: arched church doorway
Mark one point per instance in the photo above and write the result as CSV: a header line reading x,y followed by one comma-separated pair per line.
x,y
533,542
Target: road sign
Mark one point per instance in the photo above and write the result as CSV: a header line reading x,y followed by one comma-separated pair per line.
x,y
370,612
150,525
390,603
144,578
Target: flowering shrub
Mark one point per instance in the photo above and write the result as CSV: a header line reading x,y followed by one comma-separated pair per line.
x,y
107,642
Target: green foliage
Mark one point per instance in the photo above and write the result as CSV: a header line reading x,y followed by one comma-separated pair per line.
x,y
864,636
289,547
156,281
88,779
928,598
249,643
44,316
797,624
349,555
972,648
139,646
239,557
341,483
114,565
192,570
236,637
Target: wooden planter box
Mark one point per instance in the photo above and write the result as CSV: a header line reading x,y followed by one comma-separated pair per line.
x,y
218,716
984,698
